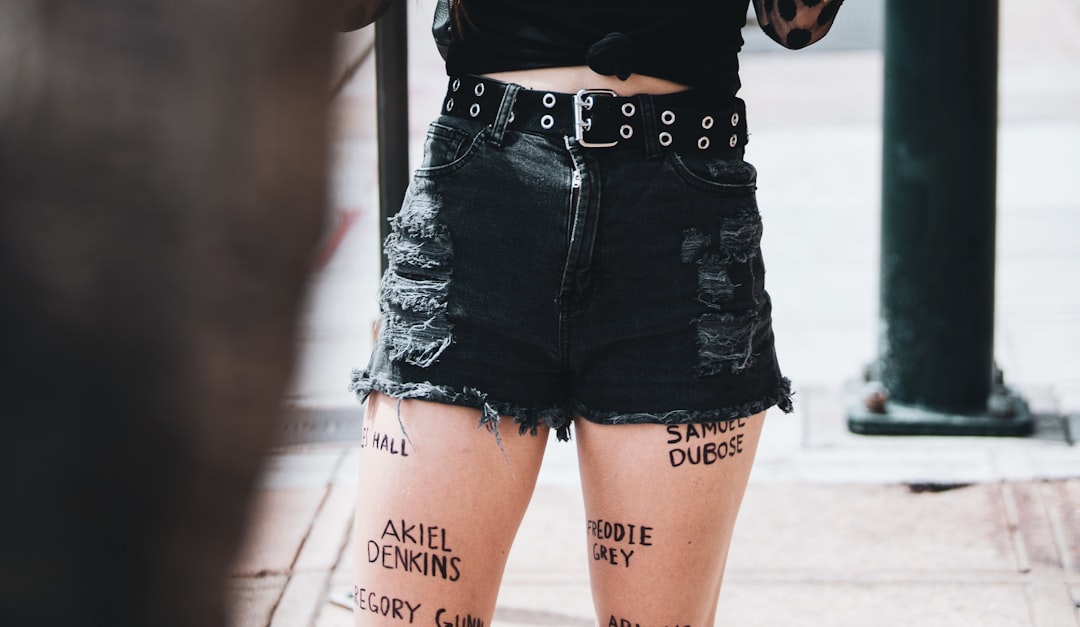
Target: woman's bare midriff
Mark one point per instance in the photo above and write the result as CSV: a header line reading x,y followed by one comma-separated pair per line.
x,y
572,79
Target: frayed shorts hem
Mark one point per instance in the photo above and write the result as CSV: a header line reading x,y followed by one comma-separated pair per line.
x,y
529,419
780,398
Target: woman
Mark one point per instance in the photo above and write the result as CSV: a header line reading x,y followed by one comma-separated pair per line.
x,y
579,250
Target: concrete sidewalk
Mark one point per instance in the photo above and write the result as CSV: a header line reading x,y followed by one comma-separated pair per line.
x,y
836,529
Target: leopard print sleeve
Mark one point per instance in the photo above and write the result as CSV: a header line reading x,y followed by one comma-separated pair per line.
x,y
796,24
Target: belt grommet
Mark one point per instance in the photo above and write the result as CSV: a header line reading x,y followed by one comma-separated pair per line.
x,y
626,131
479,90
668,117
703,143
474,110
734,141
547,121
548,100
456,85
734,119
665,138
628,109
450,104
707,122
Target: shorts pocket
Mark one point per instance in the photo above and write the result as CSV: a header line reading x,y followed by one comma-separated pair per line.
x,y
731,176
450,143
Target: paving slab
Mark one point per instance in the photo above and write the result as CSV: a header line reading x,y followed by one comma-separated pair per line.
x,y
1035,535
325,541
1051,605
337,602
252,599
334,616
884,604
1063,500
840,530
280,522
302,599
301,467
545,605
552,538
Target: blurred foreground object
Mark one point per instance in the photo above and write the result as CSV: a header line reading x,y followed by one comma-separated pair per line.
x,y
162,175
356,14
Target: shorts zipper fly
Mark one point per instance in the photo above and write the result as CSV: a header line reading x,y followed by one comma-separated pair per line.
x,y
567,299
575,195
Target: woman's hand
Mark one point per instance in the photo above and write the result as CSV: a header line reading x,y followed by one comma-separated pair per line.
x,y
796,24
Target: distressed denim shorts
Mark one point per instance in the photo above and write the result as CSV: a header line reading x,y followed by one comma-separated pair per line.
x,y
534,278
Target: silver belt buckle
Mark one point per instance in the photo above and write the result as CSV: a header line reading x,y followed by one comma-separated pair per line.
x,y
583,101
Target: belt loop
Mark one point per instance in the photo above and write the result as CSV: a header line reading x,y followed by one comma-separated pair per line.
x,y
647,111
740,128
744,125
502,118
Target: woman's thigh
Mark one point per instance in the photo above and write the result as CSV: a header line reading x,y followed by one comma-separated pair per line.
x,y
661,502
439,502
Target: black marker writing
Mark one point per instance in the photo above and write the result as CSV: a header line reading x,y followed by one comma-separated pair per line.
x,y
622,622
428,536
687,432
390,607
467,620
620,532
383,442
613,555
708,453
606,531
416,548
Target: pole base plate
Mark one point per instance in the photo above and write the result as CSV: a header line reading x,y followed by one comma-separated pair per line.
x,y
1008,416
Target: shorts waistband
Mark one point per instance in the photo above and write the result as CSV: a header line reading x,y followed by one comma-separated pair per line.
x,y
601,119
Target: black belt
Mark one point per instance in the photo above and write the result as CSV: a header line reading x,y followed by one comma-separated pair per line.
x,y
599,118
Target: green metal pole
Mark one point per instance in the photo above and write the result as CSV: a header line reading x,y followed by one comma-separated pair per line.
x,y
938,224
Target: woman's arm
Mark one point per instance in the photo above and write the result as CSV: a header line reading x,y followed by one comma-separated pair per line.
x,y
796,23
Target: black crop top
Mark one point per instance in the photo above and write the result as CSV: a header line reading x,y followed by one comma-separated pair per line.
x,y
693,42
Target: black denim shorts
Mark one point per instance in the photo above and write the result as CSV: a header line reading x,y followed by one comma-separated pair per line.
x,y
535,278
